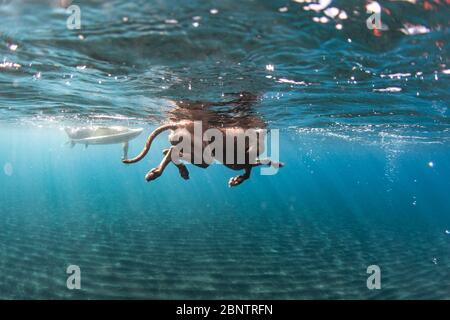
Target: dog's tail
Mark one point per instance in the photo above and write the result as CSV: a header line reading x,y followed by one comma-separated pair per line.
x,y
149,141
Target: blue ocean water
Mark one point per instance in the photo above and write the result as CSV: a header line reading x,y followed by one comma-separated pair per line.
x,y
364,135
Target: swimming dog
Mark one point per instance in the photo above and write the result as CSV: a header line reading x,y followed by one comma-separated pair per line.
x,y
189,123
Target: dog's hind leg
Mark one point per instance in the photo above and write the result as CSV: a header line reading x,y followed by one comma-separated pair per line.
x,y
268,162
234,181
184,173
157,172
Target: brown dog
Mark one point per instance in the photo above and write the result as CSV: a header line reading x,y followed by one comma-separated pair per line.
x,y
190,119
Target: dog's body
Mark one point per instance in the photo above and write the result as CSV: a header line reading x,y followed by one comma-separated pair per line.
x,y
188,118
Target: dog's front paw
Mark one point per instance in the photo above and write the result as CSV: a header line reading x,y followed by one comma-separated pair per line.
x,y
235,181
153,174
184,173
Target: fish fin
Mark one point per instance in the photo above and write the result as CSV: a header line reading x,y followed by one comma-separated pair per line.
x,y
125,150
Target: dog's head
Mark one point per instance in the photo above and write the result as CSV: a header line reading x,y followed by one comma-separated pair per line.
x,y
238,112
